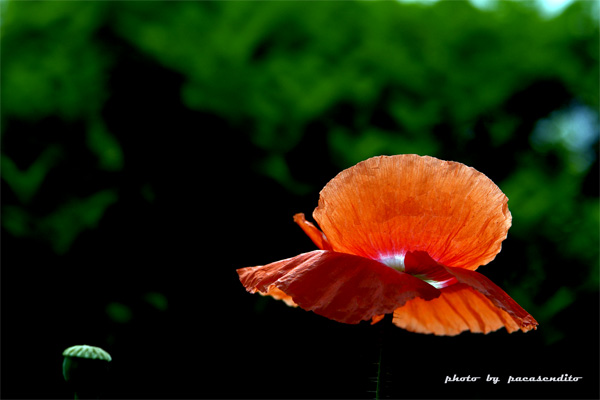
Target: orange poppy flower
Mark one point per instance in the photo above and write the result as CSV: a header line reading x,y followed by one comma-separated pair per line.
x,y
403,235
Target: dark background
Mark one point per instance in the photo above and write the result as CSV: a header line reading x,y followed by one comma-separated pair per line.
x,y
149,149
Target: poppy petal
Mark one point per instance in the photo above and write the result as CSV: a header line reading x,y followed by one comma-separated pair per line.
x,y
341,287
313,232
496,295
386,206
459,308
278,294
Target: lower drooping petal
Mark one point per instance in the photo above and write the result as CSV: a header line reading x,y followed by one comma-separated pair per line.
x,y
277,294
482,295
459,308
496,295
341,287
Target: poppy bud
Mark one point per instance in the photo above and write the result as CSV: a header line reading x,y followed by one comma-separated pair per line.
x,y
85,369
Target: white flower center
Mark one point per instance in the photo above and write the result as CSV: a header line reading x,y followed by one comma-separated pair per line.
x,y
395,261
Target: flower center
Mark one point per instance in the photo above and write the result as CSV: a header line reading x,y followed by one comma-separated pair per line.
x,y
420,266
396,261
437,284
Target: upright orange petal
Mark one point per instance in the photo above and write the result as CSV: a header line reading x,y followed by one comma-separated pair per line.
x,y
386,206
342,287
459,308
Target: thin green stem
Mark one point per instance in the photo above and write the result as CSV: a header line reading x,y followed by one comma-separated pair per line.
x,y
383,333
378,387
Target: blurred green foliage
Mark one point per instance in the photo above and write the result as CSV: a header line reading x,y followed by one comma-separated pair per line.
x,y
49,51
157,300
506,91
105,146
119,312
26,183
282,66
